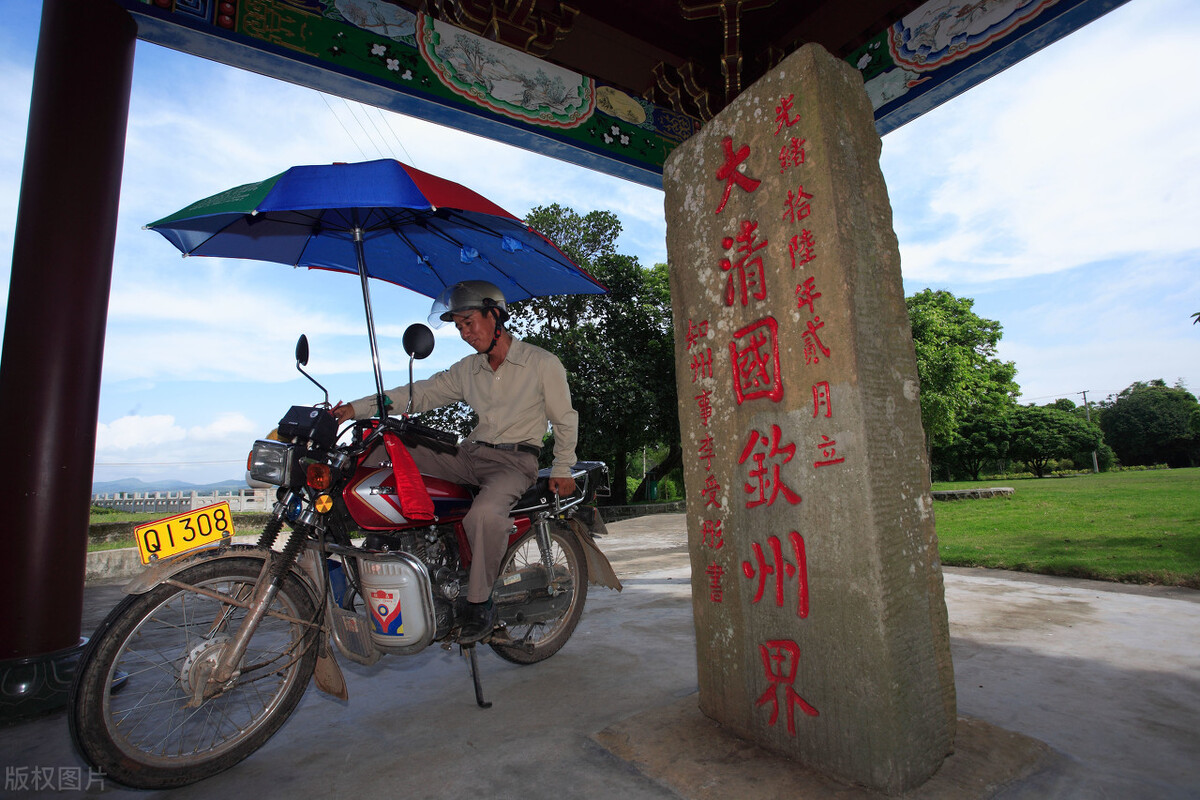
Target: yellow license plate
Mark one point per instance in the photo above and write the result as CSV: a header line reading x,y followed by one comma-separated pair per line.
x,y
183,532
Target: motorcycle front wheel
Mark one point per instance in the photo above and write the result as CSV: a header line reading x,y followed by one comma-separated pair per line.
x,y
532,642
132,710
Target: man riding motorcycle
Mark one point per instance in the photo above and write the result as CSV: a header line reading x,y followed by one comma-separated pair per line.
x,y
516,389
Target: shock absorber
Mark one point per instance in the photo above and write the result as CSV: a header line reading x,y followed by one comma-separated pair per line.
x,y
283,562
545,547
271,530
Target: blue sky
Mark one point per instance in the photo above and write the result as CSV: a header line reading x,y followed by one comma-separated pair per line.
x,y
1061,195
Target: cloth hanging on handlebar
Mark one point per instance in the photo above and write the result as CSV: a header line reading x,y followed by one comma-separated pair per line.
x,y
414,499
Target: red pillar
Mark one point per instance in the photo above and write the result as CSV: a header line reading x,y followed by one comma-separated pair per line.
x,y
54,338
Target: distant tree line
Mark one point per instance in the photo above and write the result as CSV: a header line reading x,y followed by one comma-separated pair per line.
x,y
974,424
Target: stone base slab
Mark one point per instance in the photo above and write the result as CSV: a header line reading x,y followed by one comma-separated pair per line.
x,y
699,759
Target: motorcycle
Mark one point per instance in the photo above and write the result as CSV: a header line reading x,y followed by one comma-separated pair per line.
x,y
212,649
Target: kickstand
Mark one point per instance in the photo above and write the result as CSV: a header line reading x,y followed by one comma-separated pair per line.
x,y
469,652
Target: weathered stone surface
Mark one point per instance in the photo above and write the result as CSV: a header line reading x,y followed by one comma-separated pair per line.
x,y
831,646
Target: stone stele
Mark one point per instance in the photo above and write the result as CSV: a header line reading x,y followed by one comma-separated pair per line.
x,y
821,629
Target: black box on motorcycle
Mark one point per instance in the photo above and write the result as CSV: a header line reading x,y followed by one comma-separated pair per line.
x,y
306,422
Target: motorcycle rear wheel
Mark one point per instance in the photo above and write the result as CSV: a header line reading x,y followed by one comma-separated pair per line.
x,y
537,641
128,709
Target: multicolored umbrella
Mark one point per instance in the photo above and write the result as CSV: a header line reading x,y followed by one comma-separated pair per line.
x,y
382,218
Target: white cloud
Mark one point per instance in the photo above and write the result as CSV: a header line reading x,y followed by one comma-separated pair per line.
x,y
138,433
1051,166
156,446
230,425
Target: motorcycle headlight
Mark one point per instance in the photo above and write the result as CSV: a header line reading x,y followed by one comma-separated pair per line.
x,y
275,463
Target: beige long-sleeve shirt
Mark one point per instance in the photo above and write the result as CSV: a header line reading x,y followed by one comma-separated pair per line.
x,y
514,402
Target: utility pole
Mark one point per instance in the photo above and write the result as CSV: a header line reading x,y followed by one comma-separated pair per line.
x,y
1088,410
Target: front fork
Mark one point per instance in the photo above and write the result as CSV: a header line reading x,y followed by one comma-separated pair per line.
x,y
270,578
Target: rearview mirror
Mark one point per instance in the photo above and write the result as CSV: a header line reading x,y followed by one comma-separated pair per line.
x,y
418,340
302,350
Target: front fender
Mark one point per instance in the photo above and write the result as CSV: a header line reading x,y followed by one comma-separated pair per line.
x,y
160,571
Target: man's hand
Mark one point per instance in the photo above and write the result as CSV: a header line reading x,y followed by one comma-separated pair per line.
x,y
342,412
562,486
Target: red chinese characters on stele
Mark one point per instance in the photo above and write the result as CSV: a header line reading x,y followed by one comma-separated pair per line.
x,y
746,277
704,404
764,484
779,569
716,592
702,364
783,113
754,353
802,247
731,174
781,661
711,534
791,153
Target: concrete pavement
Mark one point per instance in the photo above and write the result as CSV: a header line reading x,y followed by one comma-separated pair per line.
x,y
1066,689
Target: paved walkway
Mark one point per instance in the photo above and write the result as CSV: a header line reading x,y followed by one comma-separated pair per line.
x,y
1068,689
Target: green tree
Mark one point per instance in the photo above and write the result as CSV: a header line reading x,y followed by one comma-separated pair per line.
x,y
1152,423
1041,435
983,439
957,365
618,348
1089,413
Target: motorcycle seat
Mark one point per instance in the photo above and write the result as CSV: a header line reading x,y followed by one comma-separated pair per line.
x,y
540,496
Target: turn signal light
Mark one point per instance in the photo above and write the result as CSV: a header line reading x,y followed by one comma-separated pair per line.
x,y
320,476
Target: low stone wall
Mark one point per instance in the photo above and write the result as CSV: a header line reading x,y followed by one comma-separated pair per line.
x,y
973,494
168,503
617,513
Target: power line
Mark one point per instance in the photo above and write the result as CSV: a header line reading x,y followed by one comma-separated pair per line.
x,y
379,141
1061,395
375,124
342,124
387,120
364,127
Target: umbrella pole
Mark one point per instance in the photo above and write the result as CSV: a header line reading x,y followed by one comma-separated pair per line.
x,y
366,292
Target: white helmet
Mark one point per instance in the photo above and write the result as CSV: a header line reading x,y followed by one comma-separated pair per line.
x,y
467,296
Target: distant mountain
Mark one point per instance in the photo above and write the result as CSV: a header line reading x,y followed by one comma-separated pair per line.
x,y
138,485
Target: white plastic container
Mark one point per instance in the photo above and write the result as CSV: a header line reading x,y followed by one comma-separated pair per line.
x,y
392,591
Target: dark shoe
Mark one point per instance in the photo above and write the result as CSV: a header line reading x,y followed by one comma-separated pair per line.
x,y
481,619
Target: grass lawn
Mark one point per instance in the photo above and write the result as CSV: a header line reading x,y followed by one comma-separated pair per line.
x,y
1132,527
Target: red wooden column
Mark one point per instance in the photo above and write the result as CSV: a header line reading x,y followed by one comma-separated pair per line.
x,y
54,340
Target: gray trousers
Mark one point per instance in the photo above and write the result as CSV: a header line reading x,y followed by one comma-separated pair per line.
x,y
502,477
